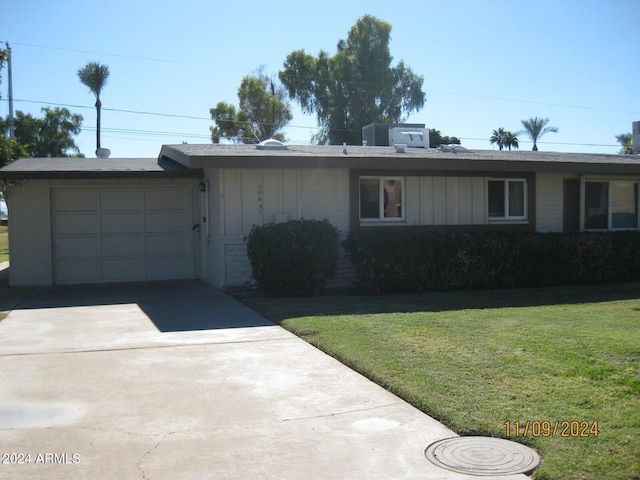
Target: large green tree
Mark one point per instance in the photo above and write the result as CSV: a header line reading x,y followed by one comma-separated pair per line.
x,y
436,139
626,140
4,55
263,112
537,127
10,150
94,76
49,136
354,87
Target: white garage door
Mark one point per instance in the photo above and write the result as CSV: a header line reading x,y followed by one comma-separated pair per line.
x,y
121,234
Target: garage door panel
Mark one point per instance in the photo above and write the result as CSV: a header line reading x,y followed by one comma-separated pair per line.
x,y
123,270
165,222
76,247
122,233
113,223
75,200
125,246
170,199
166,245
76,224
122,200
71,271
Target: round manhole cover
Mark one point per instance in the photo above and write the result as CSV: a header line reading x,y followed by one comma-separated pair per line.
x,y
482,456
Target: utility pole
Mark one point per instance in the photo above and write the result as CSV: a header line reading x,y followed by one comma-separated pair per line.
x,y
12,129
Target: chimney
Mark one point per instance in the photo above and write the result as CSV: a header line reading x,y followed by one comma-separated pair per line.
x,y
636,137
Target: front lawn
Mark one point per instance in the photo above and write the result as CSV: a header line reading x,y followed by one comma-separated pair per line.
x,y
4,244
477,360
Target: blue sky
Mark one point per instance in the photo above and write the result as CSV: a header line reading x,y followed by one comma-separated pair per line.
x,y
486,63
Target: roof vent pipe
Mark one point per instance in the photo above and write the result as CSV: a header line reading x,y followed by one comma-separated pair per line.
x,y
103,153
400,147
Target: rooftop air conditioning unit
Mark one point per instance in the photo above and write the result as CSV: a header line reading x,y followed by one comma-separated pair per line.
x,y
411,137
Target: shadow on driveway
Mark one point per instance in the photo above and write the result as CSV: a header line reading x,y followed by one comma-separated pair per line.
x,y
172,305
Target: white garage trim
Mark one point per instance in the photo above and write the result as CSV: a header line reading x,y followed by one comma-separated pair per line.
x,y
122,233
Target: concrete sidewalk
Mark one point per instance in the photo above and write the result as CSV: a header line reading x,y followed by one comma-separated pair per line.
x,y
175,380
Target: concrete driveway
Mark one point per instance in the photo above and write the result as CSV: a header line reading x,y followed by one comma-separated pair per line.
x,y
175,380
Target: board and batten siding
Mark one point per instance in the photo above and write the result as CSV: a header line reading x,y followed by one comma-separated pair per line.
x,y
437,200
241,198
549,201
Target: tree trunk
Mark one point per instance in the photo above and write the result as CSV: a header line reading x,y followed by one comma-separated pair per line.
x,y
98,107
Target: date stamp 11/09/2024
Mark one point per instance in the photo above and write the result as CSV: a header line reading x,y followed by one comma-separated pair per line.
x,y
553,428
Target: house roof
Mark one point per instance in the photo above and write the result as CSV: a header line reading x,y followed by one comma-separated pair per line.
x,y
75,167
387,158
189,160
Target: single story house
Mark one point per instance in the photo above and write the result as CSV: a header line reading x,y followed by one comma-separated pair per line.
x,y
187,213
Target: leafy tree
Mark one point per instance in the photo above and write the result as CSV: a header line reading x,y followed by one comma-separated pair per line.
x,y
4,55
94,76
356,86
50,136
504,139
535,128
263,111
626,140
10,150
436,139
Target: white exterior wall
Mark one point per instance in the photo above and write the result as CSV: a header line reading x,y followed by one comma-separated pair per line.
x,y
325,194
433,200
550,201
29,205
241,198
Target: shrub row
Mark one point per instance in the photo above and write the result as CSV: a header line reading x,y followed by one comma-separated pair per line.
x,y
405,261
298,257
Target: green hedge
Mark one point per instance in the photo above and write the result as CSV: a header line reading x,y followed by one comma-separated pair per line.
x,y
412,260
298,257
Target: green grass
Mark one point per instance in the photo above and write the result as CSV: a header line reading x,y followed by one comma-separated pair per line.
x,y
475,360
4,244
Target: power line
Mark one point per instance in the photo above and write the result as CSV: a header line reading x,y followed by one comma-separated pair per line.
x,y
209,119
350,82
148,59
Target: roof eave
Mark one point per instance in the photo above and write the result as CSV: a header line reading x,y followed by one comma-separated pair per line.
x,y
447,164
57,175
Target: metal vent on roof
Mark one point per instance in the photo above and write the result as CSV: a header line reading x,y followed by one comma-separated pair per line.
x,y
452,148
271,144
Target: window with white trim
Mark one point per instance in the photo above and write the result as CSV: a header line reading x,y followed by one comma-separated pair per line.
x,y
610,205
507,199
381,198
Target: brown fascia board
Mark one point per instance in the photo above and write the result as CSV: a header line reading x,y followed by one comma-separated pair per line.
x,y
411,164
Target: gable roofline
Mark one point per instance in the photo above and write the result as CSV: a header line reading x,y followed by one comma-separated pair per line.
x,y
387,158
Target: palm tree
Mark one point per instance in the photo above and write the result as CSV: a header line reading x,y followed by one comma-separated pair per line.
x,y
536,127
510,140
504,138
626,140
94,76
498,137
